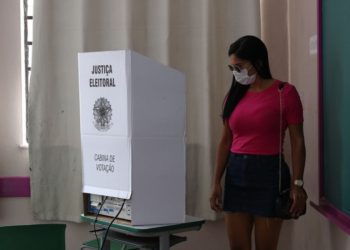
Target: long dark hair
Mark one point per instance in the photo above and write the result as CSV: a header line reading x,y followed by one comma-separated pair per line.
x,y
252,49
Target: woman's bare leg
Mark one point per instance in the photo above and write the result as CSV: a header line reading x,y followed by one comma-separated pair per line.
x,y
267,232
239,229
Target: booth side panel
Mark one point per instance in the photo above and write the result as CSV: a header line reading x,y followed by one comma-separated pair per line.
x,y
159,99
158,180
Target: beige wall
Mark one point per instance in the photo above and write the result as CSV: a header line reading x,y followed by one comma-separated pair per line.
x,y
275,34
313,231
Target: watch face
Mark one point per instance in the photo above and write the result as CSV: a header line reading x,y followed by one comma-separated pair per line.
x,y
298,183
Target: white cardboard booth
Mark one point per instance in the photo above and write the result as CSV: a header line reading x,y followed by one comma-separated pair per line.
x,y
132,120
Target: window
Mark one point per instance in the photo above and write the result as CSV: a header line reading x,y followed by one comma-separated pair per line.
x,y
27,44
334,200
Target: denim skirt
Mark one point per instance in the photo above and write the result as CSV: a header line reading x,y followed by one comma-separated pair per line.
x,y
252,183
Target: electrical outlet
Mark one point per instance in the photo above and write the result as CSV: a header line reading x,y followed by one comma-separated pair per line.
x,y
313,45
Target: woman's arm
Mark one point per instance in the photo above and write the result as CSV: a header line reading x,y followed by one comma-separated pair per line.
x,y
298,151
222,155
298,163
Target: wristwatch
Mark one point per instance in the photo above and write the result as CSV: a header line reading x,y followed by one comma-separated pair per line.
x,y
299,183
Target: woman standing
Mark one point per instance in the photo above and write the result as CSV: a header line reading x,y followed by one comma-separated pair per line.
x,y
256,113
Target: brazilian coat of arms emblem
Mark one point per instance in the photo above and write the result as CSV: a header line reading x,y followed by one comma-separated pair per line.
x,y
102,112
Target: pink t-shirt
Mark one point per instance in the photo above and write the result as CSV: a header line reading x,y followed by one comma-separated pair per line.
x,y
255,122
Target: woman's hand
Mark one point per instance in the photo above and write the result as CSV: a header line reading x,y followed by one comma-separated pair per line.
x,y
222,156
299,197
216,198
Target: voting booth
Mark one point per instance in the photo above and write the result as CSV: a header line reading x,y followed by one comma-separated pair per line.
x,y
132,123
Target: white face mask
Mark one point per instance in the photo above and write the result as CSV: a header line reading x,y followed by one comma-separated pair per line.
x,y
243,77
